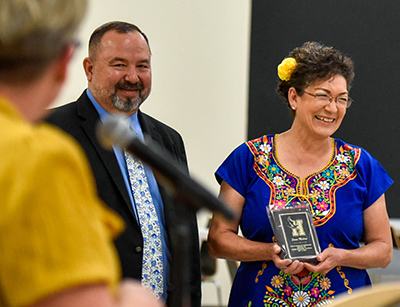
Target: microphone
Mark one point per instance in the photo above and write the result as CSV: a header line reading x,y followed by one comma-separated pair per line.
x,y
186,191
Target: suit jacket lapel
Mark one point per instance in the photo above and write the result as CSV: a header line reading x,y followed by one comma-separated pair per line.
x,y
90,121
149,131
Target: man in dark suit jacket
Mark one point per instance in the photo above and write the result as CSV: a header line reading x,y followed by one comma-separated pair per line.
x,y
119,80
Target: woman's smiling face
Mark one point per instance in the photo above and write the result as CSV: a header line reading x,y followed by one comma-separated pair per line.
x,y
317,119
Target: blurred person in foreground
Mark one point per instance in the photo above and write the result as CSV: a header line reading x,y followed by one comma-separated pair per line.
x,y
343,184
119,74
56,236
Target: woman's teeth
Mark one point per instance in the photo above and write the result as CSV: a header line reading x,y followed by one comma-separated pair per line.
x,y
324,119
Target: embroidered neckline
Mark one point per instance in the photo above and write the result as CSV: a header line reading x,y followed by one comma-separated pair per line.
x,y
319,187
305,179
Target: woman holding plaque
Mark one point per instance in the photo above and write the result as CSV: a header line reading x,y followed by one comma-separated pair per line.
x,y
342,184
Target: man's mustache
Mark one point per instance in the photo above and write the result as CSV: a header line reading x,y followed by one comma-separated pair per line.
x,y
129,86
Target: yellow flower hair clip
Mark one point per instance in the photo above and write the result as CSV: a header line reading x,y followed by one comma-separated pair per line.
x,y
286,68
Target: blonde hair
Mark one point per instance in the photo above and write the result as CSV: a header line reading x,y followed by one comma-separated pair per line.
x,y
34,32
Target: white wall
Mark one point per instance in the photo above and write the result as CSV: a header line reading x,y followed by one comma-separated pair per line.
x,y
200,77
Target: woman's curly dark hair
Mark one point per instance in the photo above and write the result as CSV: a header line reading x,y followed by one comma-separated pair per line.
x,y
315,61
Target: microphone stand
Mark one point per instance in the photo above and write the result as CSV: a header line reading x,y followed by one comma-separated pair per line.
x,y
181,238
180,267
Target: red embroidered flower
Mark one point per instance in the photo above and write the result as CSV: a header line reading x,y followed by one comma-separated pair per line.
x,y
303,273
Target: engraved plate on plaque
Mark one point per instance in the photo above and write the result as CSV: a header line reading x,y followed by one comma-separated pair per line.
x,y
295,233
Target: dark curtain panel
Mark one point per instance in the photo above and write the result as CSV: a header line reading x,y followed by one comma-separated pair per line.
x,y
366,30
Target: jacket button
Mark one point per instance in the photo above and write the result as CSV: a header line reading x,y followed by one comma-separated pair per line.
x,y
138,249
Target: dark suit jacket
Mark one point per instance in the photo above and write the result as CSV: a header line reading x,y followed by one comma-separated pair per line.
x,y
79,119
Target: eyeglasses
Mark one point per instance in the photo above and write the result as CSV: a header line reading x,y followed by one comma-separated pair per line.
x,y
325,99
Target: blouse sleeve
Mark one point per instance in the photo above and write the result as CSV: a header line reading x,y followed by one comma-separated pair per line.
x,y
236,168
376,180
55,233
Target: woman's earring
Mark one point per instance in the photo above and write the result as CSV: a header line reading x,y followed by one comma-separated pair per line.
x,y
293,106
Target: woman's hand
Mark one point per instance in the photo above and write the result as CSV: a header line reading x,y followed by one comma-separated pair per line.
x,y
328,259
286,265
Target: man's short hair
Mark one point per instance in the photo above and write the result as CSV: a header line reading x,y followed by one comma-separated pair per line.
x,y
117,26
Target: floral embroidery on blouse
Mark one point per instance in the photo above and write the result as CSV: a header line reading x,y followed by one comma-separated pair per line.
x,y
301,290
319,188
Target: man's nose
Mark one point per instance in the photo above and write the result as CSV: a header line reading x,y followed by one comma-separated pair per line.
x,y
132,76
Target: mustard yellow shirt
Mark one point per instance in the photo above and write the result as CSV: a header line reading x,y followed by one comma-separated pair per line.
x,y
54,231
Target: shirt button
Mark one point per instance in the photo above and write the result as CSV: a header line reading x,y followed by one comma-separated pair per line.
x,y
138,249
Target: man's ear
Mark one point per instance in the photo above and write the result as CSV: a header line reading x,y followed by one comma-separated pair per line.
x,y
88,67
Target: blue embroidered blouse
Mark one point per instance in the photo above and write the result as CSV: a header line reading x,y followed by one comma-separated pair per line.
x,y
351,182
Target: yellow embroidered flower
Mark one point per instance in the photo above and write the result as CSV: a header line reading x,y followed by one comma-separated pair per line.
x,y
325,283
262,160
289,191
315,194
344,172
286,68
277,281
